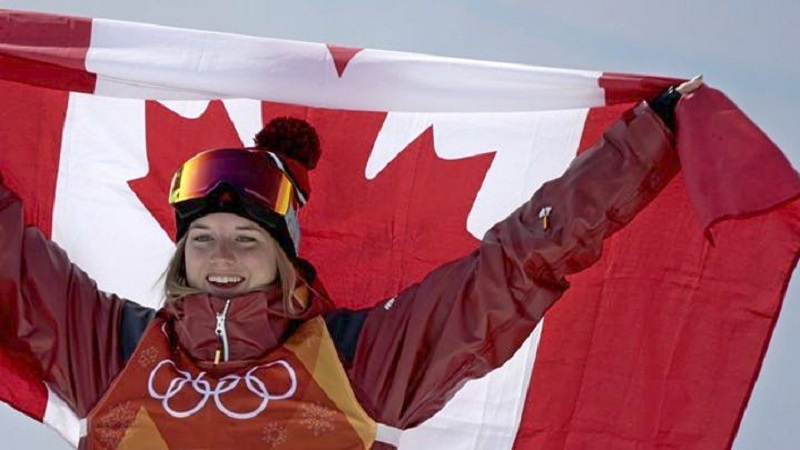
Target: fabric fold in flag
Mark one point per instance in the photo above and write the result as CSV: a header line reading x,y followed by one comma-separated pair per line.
x,y
732,168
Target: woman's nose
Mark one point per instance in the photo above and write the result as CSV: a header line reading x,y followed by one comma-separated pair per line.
x,y
222,252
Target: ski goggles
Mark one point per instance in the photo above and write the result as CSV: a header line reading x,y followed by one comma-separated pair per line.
x,y
257,173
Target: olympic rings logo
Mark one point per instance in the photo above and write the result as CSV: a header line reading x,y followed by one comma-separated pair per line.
x,y
226,384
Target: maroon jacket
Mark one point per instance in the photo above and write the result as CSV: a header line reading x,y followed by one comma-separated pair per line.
x,y
405,357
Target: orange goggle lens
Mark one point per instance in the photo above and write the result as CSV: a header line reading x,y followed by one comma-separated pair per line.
x,y
254,172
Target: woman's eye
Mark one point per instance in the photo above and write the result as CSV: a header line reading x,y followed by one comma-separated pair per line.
x,y
245,239
202,238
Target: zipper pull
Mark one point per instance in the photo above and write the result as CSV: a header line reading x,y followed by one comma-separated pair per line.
x,y
217,354
222,334
544,214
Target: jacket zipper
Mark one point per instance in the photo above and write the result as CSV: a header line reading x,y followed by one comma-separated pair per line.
x,y
222,334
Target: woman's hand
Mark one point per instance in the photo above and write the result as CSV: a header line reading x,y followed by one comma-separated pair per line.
x,y
664,104
690,86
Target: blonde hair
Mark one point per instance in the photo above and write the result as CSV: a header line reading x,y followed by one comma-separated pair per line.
x,y
177,286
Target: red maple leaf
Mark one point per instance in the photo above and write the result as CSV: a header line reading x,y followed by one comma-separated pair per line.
x,y
342,56
171,140
371,238
367,238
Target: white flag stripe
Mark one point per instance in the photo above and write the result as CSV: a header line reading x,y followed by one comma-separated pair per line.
x,y
97,219
485,414
148,61
59,416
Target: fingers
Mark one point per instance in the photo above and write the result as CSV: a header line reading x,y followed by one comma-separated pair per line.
x,y
690,86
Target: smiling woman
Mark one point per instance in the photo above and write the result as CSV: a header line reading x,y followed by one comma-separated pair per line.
x,y
231,205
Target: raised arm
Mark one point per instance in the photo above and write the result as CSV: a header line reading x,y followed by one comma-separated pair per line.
x,y
52,311
469,316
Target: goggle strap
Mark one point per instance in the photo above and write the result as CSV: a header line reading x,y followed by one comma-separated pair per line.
x,y
293,227
279,164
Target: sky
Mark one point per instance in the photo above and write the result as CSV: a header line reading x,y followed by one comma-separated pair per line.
x,y
744,48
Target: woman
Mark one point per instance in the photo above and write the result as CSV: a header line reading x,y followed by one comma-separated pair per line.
x,y
248,350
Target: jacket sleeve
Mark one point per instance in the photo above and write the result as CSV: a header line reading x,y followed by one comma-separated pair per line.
x,y
53,313
470,316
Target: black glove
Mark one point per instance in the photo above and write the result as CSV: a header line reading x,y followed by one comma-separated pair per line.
x,y
664,106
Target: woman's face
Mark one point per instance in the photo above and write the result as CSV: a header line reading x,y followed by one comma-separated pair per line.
x,y
228,255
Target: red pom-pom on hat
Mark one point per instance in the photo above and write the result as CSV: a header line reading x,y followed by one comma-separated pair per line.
x,y
291,138
296,143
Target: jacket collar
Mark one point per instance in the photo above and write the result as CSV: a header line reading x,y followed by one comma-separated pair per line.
x,y
255,323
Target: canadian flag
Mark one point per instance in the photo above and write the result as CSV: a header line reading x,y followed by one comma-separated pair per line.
x,y
657,345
